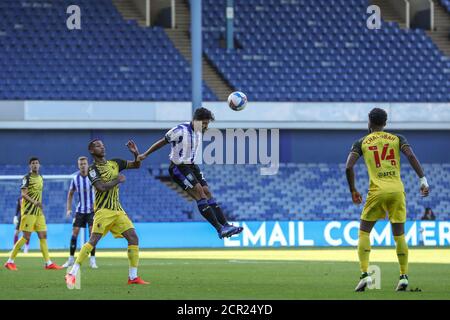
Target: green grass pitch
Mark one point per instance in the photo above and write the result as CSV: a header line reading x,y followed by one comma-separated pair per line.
x,y
296,274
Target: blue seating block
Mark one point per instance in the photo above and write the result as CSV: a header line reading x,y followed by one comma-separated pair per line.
x,y
284,196
37,46
283,42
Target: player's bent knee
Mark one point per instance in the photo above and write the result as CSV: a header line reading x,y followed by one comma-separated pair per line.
x,y
366,226
131,237
398,229
199,191
95,237
134,241
207,192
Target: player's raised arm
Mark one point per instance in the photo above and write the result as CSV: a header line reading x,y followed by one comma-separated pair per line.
x,y
408,152
154,147
350,174
136,163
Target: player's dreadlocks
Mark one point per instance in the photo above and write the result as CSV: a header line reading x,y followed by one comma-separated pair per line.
x,y
378,117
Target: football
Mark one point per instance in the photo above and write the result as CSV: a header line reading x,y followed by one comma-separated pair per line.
x,y
237,101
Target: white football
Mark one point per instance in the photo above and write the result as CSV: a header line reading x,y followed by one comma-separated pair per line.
x,y
237,101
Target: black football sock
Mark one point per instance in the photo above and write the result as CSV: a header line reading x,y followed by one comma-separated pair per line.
x,y
208,213
93,252
218,211
73,245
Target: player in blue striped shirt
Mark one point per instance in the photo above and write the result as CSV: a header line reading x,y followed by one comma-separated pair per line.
x,y
84,211
185,141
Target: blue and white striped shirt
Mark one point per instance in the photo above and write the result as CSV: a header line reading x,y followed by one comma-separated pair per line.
x,y
185,142
82,185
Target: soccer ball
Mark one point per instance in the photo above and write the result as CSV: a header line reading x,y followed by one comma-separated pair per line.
x,y
237,101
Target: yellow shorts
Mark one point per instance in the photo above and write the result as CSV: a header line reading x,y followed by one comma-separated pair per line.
x,y
32,222
116,221
377,205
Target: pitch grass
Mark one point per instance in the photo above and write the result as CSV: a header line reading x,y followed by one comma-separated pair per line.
x,y
231,274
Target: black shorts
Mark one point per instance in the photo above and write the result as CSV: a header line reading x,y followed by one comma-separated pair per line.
x,y
186,175
81,219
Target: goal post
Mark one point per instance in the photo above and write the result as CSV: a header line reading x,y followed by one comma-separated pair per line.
x,y
56,187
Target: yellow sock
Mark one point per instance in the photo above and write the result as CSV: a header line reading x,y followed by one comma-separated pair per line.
x,y
44,249
402,253
133,256
84,253
19,244
363,250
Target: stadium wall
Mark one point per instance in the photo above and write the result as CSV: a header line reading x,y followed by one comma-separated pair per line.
x,y
300,146
163,114
255,234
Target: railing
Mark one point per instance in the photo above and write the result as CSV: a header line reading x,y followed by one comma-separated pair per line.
x,y
407,13
172,5
147,13
431,14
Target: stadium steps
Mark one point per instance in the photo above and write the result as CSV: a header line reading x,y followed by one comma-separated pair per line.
x,y
181,39
441,34
172,185
388,12
129,11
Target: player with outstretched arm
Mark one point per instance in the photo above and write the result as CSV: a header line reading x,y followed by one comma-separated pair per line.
x,y
184,140
109,214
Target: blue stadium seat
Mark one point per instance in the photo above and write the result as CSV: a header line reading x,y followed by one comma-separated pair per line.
x,y
303,32
284,196
43,49
280,44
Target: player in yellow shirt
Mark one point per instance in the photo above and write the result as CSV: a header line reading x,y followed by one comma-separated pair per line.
x,y
381,153
32,216
108,213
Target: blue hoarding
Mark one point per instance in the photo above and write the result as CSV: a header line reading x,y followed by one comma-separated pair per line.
x,y
255,234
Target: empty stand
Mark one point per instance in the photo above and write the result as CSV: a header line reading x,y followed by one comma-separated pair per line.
x,y
108,59
323,51
289,51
